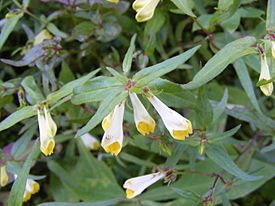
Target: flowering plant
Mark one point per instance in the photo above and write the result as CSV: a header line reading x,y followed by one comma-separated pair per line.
x,y
145,102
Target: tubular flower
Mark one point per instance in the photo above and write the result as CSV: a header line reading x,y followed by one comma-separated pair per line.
x,y
47,130
3,176
273,48
145,9
113,137
144,122
267,89
114,1
178,126
44,34
31,188
137,185
90,142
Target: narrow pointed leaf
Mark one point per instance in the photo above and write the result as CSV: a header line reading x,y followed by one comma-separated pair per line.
x,y
68,88
246,82
127,61
10,22
18,187
34,94
270,16
227,55
184,6
17,116
98,203
149,74
219,155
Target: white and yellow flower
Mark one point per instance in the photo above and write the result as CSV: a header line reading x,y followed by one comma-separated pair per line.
x,y
114,1
137,185
113,137
267,89
31,188
44,34
90,141
47,130
145,9
3,176
144,122
178,126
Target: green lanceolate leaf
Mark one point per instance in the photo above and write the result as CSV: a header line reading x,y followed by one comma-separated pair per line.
x,y
17,116
219,109
97,83
246,82
204,114
106,106
219,138
148,74
172,94
96,90
22,142
227,55
18,187
184,6
270,16
110,202
225,11
219,155
127,61
56,31
117,75
68,88
95,96
177,153
34,94
10,22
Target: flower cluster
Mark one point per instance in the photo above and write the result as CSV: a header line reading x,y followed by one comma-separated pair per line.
x,y
178,126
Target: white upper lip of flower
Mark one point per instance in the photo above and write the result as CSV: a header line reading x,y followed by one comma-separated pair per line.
x,y
267,89
138,184
114,133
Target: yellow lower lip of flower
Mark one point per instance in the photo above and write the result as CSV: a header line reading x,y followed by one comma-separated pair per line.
x,y
189,127
113,148
129,193
27,197
144,128
4,176
105,123
180,134
48,150
141,18
95,146
267,89
36,188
